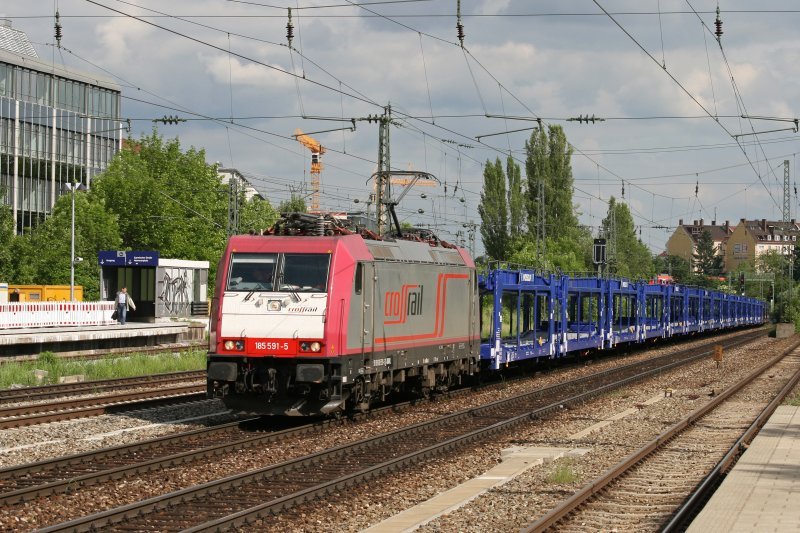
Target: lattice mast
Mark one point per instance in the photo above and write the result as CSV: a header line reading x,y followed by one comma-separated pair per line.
x,y
787,215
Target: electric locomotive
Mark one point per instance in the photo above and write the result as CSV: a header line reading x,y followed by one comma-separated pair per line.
x,y
317,318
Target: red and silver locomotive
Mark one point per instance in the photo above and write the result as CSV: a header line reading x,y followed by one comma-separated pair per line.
x,y
317,318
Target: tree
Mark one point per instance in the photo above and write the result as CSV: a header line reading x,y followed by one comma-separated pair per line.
x,y
775,265
295,204
562,255
256,215
167,200
706,260
493,211
679,268
548,160
516,200
632,259
7,238
49,246
547,163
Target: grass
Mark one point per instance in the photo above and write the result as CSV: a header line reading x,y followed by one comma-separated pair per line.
x,y
793,400
563,472
618,393
111,367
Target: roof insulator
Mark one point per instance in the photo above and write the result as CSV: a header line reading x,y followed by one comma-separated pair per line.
x,y
459,26
57,27
290,29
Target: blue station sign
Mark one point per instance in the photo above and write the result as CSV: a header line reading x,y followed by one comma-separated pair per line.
x,y
122,258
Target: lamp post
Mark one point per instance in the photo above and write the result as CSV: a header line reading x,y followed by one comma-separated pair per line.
x,y
72,187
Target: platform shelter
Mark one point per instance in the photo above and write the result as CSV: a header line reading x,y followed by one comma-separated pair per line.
x,y
163,289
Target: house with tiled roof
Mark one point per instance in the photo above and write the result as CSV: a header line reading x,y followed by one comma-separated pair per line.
x,y
753,238
683,241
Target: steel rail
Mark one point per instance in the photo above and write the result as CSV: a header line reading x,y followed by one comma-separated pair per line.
x,y
56,411
579,498
142,465
693,505
53,480
25,394
404,446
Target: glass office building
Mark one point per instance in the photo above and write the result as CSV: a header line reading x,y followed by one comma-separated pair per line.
x,y
57,126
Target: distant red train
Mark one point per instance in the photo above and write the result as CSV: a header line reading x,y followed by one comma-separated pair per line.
x,y
316,318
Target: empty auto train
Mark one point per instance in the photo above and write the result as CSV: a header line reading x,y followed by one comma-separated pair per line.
x,y
317,318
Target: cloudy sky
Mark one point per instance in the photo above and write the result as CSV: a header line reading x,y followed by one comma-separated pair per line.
x,y
672,98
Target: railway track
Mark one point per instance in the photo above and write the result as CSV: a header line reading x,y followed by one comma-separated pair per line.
x,y
62,390
274,488
29,481
26,482
647,490
137,393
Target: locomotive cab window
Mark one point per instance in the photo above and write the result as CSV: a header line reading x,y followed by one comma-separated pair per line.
x,y
252,272
305,272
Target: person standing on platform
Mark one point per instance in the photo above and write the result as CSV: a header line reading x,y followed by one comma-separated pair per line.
x,y
124,302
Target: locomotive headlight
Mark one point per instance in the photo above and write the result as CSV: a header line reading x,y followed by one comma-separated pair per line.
x,y
234,345
274,305
310,346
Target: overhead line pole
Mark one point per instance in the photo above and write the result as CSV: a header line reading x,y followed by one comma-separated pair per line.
x,y
787,213
384,188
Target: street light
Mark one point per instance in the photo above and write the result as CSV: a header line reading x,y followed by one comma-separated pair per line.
x,y
72,187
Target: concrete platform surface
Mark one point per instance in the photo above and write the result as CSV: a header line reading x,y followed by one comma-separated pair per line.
x,y
79,333
762,492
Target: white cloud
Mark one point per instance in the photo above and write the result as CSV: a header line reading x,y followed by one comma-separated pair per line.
x,y
119,39
224,69
553,66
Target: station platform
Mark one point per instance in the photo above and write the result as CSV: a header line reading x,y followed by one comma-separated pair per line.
x,y
22,343
762,492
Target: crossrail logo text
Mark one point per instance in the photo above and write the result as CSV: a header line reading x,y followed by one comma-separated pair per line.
x,y
399,305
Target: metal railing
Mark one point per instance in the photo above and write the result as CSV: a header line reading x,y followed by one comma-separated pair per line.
x,y
53,314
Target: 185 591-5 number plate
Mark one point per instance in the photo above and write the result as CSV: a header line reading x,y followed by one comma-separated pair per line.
x,y
272,346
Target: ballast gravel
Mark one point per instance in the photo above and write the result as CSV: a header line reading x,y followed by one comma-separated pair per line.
x,y
519,502
509,507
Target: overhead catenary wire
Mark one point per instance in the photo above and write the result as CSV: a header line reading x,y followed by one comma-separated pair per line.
x,y
236,54
466,52
214,46
425,135
312,8
685,90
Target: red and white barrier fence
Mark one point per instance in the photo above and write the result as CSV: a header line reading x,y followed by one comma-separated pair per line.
x,y
53,314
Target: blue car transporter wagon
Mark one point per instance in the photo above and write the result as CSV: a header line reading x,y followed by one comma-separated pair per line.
x,y
528,314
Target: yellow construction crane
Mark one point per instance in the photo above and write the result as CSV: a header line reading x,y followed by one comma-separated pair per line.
x,y
316,165
406,181
409,181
